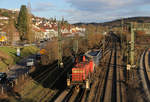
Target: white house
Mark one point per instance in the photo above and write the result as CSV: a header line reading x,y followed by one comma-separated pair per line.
x,y
4,18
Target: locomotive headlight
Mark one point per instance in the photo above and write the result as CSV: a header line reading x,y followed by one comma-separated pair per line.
x,y
61,65
68,82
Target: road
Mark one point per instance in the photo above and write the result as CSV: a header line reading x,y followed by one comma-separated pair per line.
x,y
19,69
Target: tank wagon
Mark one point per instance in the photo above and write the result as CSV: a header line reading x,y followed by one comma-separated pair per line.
x,y
82,72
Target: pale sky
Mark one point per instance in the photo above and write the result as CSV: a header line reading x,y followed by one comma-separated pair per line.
x,y
83,10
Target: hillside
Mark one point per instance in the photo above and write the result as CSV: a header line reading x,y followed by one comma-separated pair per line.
x,y
41,22
118,21
6,14
14,14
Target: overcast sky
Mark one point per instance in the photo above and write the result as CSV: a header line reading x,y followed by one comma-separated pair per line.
x,y
83,10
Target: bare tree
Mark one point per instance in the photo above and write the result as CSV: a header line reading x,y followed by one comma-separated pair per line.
x,y
51,53
11,30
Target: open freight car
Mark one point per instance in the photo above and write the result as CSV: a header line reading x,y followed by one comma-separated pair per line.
x,y
81,74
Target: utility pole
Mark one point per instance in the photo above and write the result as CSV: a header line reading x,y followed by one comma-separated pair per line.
x,y
122,46
60,63
132,45
75,46
103,56
103,41
29,7
30,35
103,44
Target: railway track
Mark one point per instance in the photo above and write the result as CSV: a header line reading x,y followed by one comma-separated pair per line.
x,y
39,77
144,76
67,97
107,90
114,80
107,87
45,73
67,66
119,84
79,96
111,87
102,77
42,78
74,95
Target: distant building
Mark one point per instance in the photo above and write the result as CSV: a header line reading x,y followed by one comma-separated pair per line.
x,y
14,10
4,18
38,33
14,37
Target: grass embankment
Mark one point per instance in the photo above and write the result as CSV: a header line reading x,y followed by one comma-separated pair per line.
x,y
8,55
28,90
34,91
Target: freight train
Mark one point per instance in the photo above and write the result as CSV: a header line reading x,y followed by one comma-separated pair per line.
x,y
83,71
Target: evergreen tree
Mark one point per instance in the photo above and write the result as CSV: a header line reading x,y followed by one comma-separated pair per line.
x,y
24,25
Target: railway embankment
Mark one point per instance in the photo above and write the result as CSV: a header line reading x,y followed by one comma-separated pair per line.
x,y
147,61
144,76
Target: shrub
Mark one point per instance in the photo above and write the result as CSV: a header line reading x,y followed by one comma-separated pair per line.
x,y
6,14
28,50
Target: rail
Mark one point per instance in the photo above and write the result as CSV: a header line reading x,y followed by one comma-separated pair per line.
x,y
143,76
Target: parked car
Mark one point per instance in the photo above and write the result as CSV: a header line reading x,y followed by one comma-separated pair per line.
x,y
3,77
9,81
38,57
30,62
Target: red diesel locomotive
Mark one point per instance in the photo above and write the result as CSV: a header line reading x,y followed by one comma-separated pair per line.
x,y
81,74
